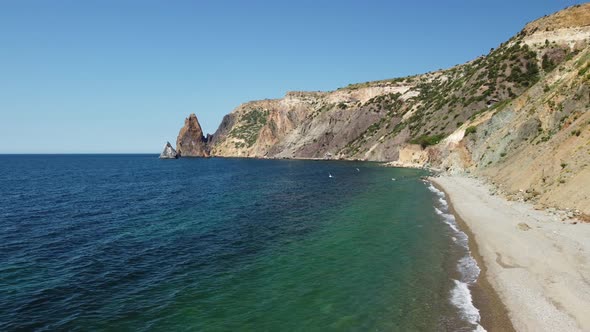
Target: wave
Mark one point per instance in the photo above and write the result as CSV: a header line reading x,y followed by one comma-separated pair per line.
x,y
461,298
467,266
469,269
435,190
449,219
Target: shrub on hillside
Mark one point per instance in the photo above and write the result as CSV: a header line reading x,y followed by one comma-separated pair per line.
x,y
426,140
470,130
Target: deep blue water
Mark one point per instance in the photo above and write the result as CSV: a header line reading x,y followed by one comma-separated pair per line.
x,y
131,242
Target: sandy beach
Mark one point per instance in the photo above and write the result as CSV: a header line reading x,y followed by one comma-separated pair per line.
x,y
538,264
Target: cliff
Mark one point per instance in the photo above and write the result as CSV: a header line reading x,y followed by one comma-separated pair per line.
x,y
190,141
517,116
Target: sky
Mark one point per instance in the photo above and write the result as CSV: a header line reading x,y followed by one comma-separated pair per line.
x,y
120,76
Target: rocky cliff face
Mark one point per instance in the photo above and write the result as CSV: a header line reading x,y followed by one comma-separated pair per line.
x,y
517,115
190,141
535,146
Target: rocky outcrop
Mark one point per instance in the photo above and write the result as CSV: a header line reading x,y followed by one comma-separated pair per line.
x,y
376,120
169,152
518,116
190,141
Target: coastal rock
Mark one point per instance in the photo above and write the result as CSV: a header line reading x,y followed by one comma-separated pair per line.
x,y
525,129
190,141
169,152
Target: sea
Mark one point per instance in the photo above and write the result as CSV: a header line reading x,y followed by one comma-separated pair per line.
x,y
135,243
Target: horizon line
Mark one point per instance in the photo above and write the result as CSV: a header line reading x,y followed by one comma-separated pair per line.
x,y
73,153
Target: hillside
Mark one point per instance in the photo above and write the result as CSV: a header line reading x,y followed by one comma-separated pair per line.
x,y
517,116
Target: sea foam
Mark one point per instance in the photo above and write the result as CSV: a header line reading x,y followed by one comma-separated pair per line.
x,y
467,266
461,298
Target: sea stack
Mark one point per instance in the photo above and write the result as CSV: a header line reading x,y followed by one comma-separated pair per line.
x,y
190,141
169,152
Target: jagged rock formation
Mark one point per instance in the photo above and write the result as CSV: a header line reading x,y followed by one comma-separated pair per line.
x,y
518,115
190,141
169,152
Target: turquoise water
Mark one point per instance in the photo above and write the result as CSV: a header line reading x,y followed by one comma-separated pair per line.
x,y
136,243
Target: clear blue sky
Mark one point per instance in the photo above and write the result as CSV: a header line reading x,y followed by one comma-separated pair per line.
x,y
121,76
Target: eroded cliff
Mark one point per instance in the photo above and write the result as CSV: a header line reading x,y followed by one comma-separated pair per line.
x,y
517,115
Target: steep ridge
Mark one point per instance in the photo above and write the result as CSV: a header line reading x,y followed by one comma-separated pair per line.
x,y
517,116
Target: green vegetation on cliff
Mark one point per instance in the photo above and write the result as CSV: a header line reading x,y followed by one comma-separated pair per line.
x,y
249,129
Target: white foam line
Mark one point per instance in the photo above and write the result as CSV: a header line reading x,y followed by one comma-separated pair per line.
x,y
449,219
461,298
435,190
469,269
467,266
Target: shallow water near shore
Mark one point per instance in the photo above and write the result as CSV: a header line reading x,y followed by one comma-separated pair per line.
x,y
130,242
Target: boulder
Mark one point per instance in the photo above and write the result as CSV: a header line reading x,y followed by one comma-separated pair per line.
x,y
169,152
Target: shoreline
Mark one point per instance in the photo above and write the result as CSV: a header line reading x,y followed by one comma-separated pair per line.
x,y
493,312
535,269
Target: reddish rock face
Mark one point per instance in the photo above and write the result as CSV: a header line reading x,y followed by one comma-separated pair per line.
x,y
190,141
